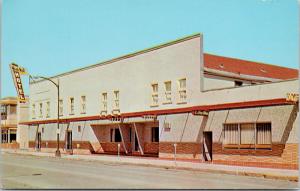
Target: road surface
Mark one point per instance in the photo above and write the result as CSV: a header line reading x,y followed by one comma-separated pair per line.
x,y
20,171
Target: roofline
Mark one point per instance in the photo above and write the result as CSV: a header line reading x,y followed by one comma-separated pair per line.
x,y
130,55
215,107
247,77
258,84
257,62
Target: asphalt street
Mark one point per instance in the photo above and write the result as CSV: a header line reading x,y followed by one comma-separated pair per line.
x,y
20,171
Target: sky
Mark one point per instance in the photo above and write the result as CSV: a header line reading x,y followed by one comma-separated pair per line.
x,y
54,36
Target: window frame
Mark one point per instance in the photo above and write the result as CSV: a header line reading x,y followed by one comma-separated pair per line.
x,y
154,95
83,104
116,101
181,91
33,111
104,96
47,109
240,146
153,137
113,135
61,107
238,83
72,107
41,110
168,93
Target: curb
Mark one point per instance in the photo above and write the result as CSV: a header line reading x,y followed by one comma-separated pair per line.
x,y
229,172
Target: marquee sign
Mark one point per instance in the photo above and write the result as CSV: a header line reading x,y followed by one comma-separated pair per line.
x,y
16,72
293,97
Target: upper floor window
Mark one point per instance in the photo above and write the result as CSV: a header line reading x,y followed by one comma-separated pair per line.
x,y
154,94
168,90
104,102
13,109
3,112
71,106
61,108
33,111
48,109
116,101
41,110
238,83
182,90
83,104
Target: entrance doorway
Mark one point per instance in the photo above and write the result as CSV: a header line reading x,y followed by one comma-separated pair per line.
x,y
136,143
39,141
207,146
12,135
69,140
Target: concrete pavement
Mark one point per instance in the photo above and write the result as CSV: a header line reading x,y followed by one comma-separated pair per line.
x,y
283,174
25,171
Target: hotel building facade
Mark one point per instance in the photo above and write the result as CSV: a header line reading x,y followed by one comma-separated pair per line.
x,y
11,113
166,98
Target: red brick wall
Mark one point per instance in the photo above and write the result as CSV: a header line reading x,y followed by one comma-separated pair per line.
x,y
280,155
53,144
112,147
287,159
151,148
9,145
276,150
182,148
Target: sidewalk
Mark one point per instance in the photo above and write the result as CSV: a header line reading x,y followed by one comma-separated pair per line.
x,y
283,174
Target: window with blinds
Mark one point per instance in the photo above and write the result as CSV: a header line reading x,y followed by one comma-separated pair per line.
x,y
231,135
247,136
263,135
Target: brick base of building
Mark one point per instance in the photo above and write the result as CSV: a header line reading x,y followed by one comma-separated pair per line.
x,y
86,147
279,156
9,145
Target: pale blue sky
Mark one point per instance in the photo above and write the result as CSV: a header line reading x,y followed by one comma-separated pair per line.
x,y
53,36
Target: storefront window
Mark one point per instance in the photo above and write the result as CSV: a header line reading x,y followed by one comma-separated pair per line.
x,y
4,136
247,135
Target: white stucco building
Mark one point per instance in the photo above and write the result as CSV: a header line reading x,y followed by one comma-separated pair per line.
x,y
211,107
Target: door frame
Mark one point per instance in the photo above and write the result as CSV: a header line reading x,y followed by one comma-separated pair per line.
x,y
207,145
69,143
38,145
